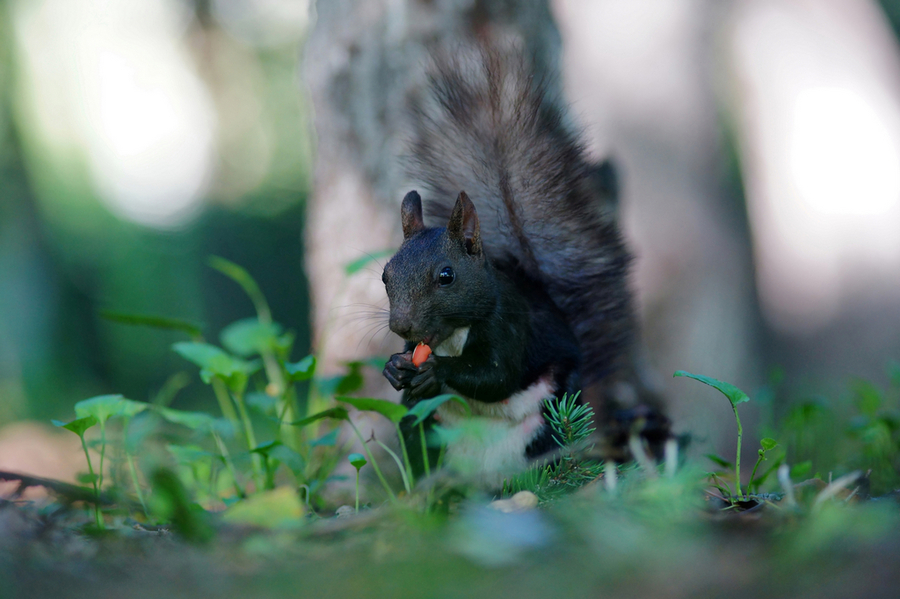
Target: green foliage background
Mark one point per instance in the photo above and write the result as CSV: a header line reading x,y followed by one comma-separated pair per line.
x,y
64,257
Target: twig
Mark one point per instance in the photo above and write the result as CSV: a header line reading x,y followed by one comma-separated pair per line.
x,y
832,489
67,491
784,477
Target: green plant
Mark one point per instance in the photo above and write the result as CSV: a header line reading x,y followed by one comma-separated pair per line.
x,y
766,444
268,433
735,396
395,413
357,460
98,411
572,424
79,426
421,411
255,386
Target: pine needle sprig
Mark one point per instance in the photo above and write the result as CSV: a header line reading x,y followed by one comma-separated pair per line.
x,y
571,425
571,422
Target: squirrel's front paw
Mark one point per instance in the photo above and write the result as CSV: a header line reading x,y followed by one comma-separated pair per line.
x,y
424,384
399,370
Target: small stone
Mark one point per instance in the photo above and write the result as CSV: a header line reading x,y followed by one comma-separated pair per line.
x,y
525,500
520,502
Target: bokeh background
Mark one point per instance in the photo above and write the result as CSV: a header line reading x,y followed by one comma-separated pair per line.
x,y
139,138
758,142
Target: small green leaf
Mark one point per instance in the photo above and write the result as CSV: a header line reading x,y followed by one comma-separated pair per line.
x,y
270,509
130,408
250,337
203,355
376,362
440,435
265,448
215,362
86,478
868,397
352,381
801,470
284,343
344,383
189,454
719,461
357,460
339,413
240,276
734,395
225,428
211,358
326,440
170,502
155,322
289,458
426,407
768,444
192,420
302,370
77,426
390,410
759,480
262,402
237,382
360,263
103,407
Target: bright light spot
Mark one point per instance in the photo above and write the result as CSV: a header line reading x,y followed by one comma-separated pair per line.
x,y
843,155
263,22
113,82
149,145
820,134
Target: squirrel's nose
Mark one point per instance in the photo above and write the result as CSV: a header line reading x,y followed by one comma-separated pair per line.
x,y
401,323
403,331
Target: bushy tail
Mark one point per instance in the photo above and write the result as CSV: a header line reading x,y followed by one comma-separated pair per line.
x,y
487,127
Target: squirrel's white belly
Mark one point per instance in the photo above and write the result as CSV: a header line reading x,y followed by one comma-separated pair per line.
x,y
494,439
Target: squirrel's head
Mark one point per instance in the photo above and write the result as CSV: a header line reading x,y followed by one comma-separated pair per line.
x,y
439,279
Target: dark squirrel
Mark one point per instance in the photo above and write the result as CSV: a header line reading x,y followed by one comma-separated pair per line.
x,y
526,297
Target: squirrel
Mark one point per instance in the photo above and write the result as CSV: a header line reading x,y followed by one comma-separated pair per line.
x,y
523,294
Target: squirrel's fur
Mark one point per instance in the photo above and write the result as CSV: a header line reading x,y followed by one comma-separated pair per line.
x,y
523,295
486,127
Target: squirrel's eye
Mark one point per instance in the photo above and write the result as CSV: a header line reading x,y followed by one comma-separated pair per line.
x,y
446,277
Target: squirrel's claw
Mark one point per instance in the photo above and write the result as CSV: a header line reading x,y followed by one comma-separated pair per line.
x,y
398,385
424,383
420,381
399,370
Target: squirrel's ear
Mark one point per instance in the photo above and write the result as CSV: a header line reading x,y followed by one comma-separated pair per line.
x,y
463,224
411,214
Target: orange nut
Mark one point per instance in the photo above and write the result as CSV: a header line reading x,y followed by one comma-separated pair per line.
x,y
420,354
